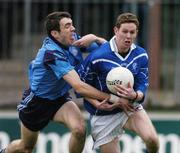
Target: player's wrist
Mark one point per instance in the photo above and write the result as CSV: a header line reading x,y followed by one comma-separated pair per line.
x,y
114,98
135,97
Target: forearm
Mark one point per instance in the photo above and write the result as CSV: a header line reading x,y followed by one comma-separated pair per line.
x,y
88,39
91,92
86,90
100,40
96,39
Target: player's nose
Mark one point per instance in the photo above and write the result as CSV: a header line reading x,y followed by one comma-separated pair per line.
x,y
73,28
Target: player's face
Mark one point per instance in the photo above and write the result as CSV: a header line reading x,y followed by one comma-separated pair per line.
x,y
66,34
125,36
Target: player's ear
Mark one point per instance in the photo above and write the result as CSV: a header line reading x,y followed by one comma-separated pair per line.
x,y
115,29
54,33
137,31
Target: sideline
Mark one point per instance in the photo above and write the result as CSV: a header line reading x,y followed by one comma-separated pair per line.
x,y
154,115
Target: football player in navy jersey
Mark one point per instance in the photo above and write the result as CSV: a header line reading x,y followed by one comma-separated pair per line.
x,y
51,75
109,121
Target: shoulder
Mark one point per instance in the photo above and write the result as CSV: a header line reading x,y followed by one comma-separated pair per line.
x,y
105,45
51,48
101,50
49,44
98,55
52,52
140,51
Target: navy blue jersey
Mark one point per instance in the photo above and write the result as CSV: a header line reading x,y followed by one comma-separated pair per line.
x,y
96,66
52,62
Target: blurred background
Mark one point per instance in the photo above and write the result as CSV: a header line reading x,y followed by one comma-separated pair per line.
x,y
22,32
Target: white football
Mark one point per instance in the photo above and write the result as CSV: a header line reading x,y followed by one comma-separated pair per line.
x,y
119,75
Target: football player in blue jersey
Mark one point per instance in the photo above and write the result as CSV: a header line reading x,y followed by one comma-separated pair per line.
x,y
107,120
51,75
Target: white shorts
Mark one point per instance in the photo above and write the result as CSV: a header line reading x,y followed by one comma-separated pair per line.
x,y
108,127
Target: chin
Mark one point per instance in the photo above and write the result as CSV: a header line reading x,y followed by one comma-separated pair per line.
x,y
127,46
71,41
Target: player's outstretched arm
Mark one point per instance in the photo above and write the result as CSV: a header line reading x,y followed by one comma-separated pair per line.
x,y
101,105
86,40
105,105
82,88
86,90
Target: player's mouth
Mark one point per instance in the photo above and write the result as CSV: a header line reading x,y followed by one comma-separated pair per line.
x,y
72,39
127,42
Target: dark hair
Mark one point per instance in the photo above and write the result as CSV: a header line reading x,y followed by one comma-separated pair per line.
x,y
127,18
52,21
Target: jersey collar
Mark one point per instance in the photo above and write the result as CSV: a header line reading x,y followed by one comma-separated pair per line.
x,y
114,46
59,44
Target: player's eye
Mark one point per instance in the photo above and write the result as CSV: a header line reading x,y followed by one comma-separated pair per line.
x,y
132,32
125,31
68,25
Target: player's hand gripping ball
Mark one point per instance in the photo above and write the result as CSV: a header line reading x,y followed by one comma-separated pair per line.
x,y
119,75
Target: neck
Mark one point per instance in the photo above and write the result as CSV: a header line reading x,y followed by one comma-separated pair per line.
x,y
123,54
59,44
123,51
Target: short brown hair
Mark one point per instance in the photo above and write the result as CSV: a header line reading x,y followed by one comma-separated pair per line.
x,y
52,21
126,18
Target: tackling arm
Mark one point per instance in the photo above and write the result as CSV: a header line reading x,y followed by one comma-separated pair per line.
x,y
86,40
86,90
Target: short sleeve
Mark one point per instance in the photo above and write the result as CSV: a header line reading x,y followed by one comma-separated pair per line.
x,y
58,62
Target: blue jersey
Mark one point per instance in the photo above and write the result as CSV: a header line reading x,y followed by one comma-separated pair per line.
x,y
52,62
97,65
